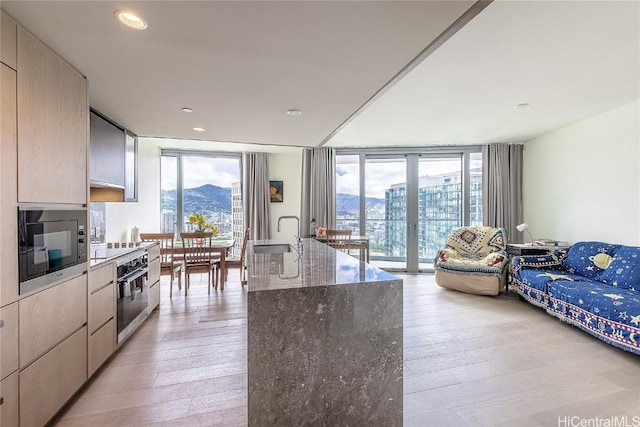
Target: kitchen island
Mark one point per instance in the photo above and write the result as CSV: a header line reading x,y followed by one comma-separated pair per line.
x,y
324,338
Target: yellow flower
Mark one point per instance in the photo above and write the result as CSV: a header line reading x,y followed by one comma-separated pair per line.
x,y
201,224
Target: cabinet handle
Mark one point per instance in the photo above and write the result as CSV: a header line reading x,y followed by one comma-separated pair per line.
x,y
1,323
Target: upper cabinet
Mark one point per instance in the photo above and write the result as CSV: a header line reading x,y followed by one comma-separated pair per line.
x,y
52,126
107,152
8,187
8,41
114,160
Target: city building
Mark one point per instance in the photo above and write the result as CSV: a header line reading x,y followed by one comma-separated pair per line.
x,y
439,210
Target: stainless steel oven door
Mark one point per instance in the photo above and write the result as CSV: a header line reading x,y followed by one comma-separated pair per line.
x,y
132,301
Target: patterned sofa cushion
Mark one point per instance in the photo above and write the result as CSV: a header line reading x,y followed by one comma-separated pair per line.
x,y
477,241
474,249
610,313
540,279
590,259
624,270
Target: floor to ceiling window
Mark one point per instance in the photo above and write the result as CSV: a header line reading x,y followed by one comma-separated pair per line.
x,y
204,183
407,203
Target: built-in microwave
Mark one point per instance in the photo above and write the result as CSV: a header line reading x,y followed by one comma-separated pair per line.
x,y
51,244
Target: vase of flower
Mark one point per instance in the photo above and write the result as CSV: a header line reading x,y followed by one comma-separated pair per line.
x,y
200,224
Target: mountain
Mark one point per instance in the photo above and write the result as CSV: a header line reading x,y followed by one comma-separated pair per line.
x,y
350,203
204,199
211,198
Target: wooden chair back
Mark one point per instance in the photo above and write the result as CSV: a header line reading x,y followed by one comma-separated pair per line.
x,y
197,248
166,241
339,239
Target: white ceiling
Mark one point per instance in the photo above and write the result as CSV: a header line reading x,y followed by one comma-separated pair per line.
x,y
240,65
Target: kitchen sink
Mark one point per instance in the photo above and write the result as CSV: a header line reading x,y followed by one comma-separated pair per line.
x,y
276,248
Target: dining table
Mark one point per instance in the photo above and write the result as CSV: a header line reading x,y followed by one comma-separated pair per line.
x,y
219,246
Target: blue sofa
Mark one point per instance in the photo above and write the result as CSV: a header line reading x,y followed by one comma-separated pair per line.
x,y
592,285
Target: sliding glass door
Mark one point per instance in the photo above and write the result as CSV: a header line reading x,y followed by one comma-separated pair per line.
x,y
439,204
408,203
385,210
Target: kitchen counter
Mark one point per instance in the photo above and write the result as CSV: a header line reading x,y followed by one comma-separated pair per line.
x,y
324,338
112,254
318,265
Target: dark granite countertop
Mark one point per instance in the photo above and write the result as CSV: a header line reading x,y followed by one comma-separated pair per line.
x,y
318,265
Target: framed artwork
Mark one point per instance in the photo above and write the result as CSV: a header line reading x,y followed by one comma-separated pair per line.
x,y
275,189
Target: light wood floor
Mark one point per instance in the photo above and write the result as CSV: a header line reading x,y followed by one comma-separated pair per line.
x,y
468,361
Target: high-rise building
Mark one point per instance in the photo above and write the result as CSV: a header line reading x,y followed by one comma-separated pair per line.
x,y
237,218
168,221
439,210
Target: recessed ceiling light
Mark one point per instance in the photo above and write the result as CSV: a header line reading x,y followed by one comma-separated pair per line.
x,y
523,105
294,112
187,110
131,19
198,128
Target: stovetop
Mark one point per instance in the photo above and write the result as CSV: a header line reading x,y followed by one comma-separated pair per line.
x,y
101,253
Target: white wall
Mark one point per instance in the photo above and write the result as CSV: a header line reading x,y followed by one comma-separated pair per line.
x,y
145,214
286,167
582,182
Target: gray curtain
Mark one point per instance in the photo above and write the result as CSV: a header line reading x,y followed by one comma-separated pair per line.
x,y
502,188
257,200
318,199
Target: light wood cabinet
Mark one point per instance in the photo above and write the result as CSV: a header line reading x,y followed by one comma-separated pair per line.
x,y
101,345
51,380
154,296
50,316
9,410
52,124
101,324
8,41
101,307
153,254
8,185
101,276
154,270
9,340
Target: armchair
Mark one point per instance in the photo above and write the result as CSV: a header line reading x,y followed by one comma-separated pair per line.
x,y
474,260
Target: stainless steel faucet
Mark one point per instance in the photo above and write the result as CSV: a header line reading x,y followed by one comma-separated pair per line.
x,y
298,236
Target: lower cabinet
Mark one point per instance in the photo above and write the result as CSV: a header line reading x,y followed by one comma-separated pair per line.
x,y
154,296
9,409
50,316
154,277
101,346
50,381
101,323
9,340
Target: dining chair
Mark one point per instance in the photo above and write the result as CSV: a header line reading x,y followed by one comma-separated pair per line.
x,y
340,239
198,258
170,265
239,262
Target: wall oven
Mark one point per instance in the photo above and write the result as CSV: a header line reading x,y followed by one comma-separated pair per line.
x,y
132,296
51,245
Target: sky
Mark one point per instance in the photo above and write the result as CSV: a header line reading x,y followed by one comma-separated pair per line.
x,y
200,170
381,175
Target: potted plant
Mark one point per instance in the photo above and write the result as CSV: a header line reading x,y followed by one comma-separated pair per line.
x,y
201,225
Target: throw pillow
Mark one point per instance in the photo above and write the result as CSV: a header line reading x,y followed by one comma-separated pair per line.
x,y
624,270
589,259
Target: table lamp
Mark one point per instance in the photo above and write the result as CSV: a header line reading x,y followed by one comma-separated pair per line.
x,y
522,227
